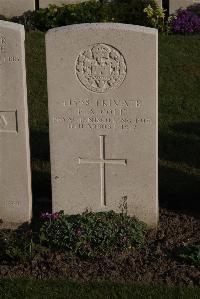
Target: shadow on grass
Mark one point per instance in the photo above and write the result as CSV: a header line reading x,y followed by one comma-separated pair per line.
x,y
40,148
41,188
179,187
41,175
179,191
192,128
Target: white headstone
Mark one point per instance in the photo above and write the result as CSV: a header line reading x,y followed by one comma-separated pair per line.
x,y
13,8
174,5
103,88
15,178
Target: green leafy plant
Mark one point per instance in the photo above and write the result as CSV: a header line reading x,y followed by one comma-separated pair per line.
x,y
131,11
27,19
158,19
85,12
92,234
20,246
190,253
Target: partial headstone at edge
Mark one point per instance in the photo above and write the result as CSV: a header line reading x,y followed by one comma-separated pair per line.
x,y
103,90
159,2
15,174
13,8
46,3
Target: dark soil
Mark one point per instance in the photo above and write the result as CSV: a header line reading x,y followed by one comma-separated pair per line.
x,y
157,263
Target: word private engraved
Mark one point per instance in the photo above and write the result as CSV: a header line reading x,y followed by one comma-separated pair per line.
x,y
100,68
102,162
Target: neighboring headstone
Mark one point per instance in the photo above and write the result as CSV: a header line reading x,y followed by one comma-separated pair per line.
x,y
159,2
46,3
15,177
174,5
13,8
103,88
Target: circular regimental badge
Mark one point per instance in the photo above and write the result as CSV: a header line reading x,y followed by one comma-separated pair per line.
x,y
101,68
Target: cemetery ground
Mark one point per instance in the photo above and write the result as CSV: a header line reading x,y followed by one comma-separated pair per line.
x,y
179,180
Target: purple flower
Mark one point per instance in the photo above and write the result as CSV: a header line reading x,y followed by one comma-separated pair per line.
x,y
46,216
55,216
186,22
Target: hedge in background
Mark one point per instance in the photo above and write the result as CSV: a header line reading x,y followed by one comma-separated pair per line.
x,y
128,11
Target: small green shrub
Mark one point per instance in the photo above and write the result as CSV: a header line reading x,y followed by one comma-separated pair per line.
x,y
131,11
20,246
157,18
54,16
189,253
86,235
92,234
28,19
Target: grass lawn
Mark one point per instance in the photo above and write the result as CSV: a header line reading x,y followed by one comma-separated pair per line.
x,y
28,289
179,120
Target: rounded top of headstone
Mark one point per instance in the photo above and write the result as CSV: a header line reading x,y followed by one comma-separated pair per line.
x,y
104,26
11,25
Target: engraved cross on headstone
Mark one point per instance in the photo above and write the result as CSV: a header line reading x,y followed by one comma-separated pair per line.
x,y
103,161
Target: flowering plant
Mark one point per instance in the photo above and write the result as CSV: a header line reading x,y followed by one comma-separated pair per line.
x,y
186,21
91,234
53,216
158,19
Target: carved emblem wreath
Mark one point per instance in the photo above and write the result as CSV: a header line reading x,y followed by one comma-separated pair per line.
x,y
101,68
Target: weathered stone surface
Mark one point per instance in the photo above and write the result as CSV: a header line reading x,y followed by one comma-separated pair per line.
x,y
15,178
174,5
45,3
12,8
102,87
